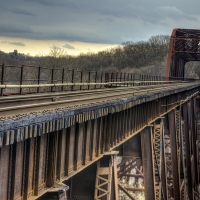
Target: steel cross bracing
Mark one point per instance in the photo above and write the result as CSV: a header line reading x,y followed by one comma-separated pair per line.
x,y
131,178
156,135
184,186
104,178
184,47
157,152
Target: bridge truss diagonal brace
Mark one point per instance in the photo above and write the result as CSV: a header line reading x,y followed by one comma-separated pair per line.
x,y
158,160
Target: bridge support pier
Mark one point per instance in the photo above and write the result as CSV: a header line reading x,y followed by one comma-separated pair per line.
x,y
105,177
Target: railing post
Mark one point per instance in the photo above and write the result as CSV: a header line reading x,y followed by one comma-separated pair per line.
x,y
2,77
52,79
63,76
72,79
131,79
81,79
39,71
116,78
120,78
111,76
101,77
140,79
95,80
21,78
151,79
128,80
107,77
89,80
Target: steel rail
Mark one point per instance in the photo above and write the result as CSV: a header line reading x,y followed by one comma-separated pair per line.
x,y
4,86
70,94
96,98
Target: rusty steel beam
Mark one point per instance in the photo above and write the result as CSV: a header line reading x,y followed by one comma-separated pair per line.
x,y
198,135
163,163
58,150
187,150
183,47
175,164
126,192
156,146
105,178
193,143
147,159
126,182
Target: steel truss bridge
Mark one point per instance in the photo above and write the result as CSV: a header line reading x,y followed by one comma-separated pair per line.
x,y
75,135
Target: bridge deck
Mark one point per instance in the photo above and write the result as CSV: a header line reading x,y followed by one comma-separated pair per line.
x,y
19,106
46,139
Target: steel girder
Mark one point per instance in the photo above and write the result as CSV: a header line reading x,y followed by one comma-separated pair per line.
x,y
168,151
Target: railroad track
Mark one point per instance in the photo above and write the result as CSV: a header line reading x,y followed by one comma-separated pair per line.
x,y
19,105
58,96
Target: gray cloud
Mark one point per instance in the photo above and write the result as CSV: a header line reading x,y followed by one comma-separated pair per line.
x,y
45,2
14,43
22,12
104,21
17,43
57,3
68,46
14,28
175,13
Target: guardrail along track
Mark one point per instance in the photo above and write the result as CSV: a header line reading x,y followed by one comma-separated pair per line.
x,y
27,79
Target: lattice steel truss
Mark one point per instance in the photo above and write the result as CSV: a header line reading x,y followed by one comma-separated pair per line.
x,y
105,178
157,141
168,164
184,188
184,47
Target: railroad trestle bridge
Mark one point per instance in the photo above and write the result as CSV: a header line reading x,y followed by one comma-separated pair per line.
x,y
130,137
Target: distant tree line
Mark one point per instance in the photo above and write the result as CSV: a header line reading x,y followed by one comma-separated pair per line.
x,y
129,55
144,57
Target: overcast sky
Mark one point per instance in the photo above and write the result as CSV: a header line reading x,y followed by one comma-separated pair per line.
x,y
33,26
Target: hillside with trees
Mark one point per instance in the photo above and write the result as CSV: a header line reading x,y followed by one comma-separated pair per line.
x,y
146,57
128,56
